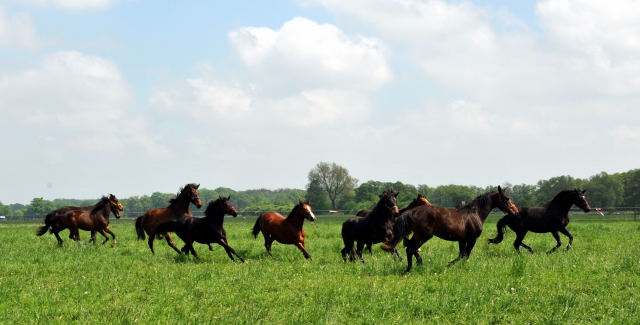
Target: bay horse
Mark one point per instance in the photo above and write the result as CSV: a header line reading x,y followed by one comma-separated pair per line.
x,y
178,208
553,217
418,201
463,225
374,227
205,230
275,226
94,218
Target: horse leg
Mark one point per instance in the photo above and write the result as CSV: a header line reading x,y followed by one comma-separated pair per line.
x,y
462,248
566,232
558,242
210,248
150,242
193,250
419,242
113,236
518,242
300,246
469,248
55,232
368,248
359,247
93,237
230,251
106,239
268,240
167,236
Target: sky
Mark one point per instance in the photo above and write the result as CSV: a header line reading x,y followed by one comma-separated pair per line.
x,y
132,97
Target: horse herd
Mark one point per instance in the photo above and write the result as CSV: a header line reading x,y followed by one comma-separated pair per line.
x,y
384,223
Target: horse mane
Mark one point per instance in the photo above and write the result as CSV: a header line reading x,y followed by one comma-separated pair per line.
x,y
295,209
480,201
212,207
180,194
562,196
104,200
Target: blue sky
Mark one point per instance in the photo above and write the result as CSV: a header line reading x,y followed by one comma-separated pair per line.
x,y
130,97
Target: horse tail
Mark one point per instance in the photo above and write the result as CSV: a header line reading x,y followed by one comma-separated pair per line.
x,y
42,230
257,227
139,229
49,220
163,228
401,229
502,223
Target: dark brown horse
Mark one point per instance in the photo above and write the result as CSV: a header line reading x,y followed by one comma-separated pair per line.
x,y
275,226
178,208
94,218
553,217
205,230
463,225
418,201
374,227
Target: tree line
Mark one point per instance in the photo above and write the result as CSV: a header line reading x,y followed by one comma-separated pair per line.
x,y
331,187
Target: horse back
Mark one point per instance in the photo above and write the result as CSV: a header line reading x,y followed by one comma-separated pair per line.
x,y
154,217
446,223
276,225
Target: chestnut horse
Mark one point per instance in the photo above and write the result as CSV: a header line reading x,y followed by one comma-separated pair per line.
x,y
275,226
178,208
418,201
91,218
205,230
463,225
374,227
553,217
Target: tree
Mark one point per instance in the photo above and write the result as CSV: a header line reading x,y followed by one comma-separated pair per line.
x,y
334,180
317,196
453,195
5,210
39,207
631,181
604,190
549,188
523,194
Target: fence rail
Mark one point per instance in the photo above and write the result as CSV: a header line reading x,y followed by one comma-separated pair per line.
x,y
610,214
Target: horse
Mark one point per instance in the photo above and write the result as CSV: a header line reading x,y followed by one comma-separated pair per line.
x,y
205,230
418,201
463,225
275,226
553,217
374,227
94,218
178,208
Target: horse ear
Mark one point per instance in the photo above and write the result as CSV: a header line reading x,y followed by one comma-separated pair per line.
x,y
229,197
197,186
584,191
500,189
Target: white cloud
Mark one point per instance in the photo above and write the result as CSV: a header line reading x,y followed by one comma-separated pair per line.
x,y
303,54
71,92
17,30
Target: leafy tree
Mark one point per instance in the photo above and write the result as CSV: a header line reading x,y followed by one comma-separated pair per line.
x,y
317,196
453,195
631,181
604,190
39,207
5,210
548,189
333,179
523,194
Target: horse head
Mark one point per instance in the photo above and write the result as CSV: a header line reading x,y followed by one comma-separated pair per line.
x,y
305,208
115,205
504,203
580,200
389,198
194,196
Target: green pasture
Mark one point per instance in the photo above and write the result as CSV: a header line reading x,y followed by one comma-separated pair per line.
x,y
598,281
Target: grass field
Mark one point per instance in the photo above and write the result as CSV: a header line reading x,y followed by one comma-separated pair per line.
x,y
598,281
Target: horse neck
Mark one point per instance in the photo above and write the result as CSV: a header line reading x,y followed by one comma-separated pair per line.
x,y
379,212
180,204
295,218
483,208
101,211
559,205
215,217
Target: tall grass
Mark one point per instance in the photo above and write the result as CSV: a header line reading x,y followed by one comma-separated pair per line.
x,y
597,281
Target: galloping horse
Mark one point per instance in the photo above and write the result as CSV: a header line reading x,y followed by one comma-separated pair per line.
x,y
205,230
463,225
552,217
275,226
374,227
178,208
92,218
418,201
